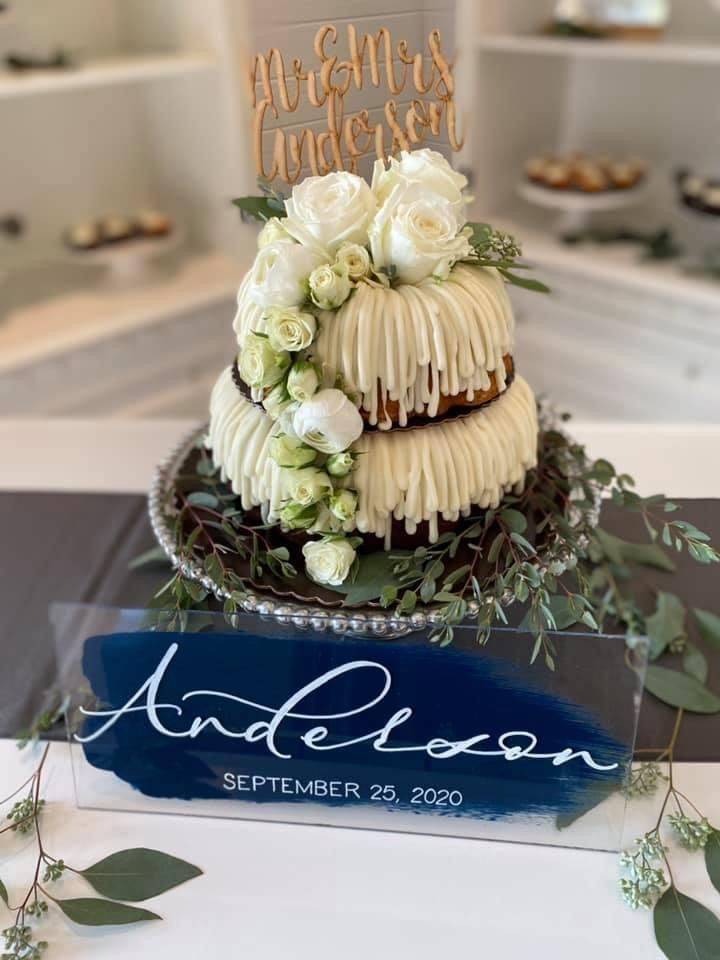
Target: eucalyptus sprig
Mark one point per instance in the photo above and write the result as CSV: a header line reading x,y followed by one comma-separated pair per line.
x,y
684,928
130,875
209,531
270,203
492,248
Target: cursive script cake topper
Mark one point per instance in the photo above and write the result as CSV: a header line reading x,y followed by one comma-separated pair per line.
x,y
278,89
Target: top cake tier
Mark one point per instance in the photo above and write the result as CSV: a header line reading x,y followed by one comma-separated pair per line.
x,y
415,350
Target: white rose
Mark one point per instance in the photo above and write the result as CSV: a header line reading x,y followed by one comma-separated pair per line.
x,y
329,422
259,365
290,452
330,286
287,418
303,381
421,238
273,232
324,211
420,172
308,486
340,464
276,401
355,259
280,274
343,504
329,561
290,328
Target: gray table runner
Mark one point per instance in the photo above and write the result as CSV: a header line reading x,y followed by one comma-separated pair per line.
x,y
75,547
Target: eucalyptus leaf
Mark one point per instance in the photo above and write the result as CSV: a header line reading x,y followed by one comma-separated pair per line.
x,y
712,859
666,624
152,557
138,874
680,690
566,613
685,929
4,894
199,498
695,663
259,208
646,554
375,572
515,521
525,282
93,912
709,624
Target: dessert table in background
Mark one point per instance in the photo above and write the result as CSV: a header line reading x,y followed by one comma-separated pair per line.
x,y
72,513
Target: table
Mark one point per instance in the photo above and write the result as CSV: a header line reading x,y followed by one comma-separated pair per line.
x,y
271,890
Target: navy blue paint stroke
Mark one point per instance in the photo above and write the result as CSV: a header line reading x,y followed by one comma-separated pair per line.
x,y
455,695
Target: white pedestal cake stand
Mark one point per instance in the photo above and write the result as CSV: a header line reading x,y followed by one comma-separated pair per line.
x,y
128,262
576,208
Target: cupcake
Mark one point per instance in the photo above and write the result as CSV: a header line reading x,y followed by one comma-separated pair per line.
x,y
558,175
590,178
115,229
83,236
624,176
536,168
153,224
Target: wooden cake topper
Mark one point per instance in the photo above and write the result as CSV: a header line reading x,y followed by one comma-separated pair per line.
x,y
275,88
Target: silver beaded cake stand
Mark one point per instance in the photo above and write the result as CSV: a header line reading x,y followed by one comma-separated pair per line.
x,y
361,621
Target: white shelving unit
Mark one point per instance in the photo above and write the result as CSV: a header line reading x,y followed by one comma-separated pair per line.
x,y
527,93
151,114
103,73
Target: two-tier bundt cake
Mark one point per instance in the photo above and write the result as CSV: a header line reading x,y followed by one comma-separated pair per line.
x,y
374,392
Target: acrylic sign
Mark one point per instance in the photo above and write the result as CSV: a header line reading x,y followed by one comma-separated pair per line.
x,y
280,723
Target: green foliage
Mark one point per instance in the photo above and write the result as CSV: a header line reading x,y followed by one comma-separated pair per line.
x,y
94,912
500,250
709,624
680,690
712,858
667,624
138,874
130,875
685,929
270,204
373,576
643,780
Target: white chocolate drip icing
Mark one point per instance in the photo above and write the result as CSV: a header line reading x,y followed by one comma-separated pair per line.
x,y
415,476
411,344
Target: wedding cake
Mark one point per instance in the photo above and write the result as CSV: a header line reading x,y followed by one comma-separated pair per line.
x,y
373,400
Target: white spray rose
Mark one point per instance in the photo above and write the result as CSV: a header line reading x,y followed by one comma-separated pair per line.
x,y
280,274
276,401
287,418
296,517
308,486
330,285
290,452
355,259
340,464
421,238
259,364
325,522
324,211
290,329
329,561
273,232
329,422
420,172
303,381
343,504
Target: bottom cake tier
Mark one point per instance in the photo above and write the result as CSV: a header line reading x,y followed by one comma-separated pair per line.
x,y
409,476
404,477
